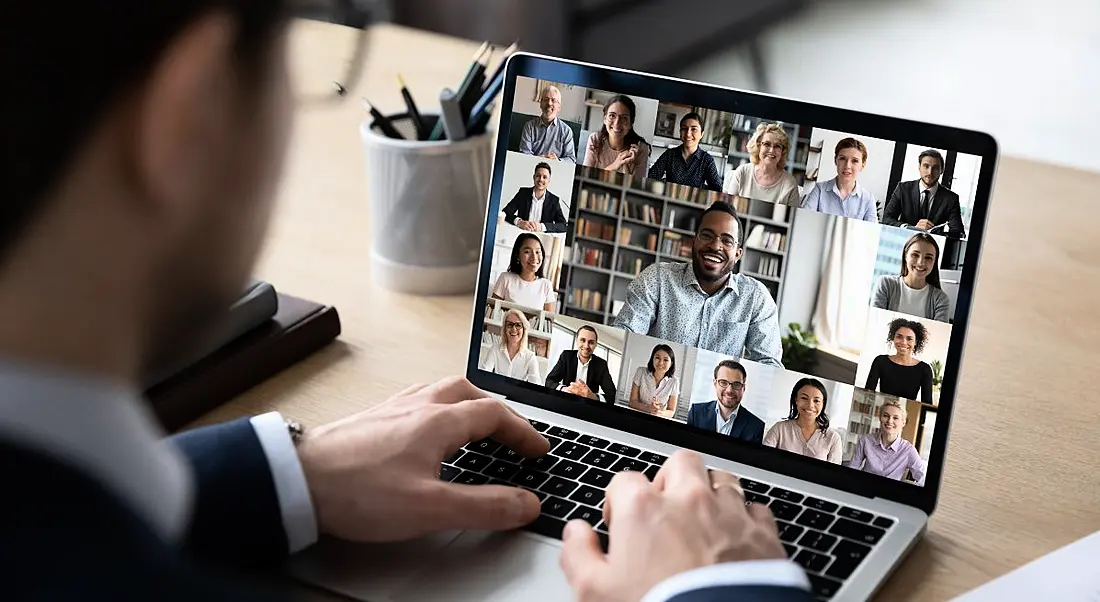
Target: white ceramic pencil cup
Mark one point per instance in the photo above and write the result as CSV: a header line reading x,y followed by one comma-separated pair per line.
x,y
427,203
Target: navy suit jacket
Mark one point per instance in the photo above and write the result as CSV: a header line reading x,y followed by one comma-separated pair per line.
x,y
745,426
903,209
66,537
520,206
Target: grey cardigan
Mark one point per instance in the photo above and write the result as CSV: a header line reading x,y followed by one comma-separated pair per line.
x,y
888,296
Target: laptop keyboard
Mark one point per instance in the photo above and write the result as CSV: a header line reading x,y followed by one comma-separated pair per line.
x,y
828,540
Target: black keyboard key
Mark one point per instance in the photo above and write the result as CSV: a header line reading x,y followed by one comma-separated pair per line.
x,y
557,507
502,470
591,515
824,587
543,463
857,531
786,496
789,549
559,486
883,522
588,495
571,450
446,473
554,442
602,527
652,458
568,469
597,478
501,483
485,446
756,498
651,472
557,431
473,461
811,561
547,525
542,496
848,555
629,464
508,455
470,478
529,478
600,458
591,441
788,531
815,520
819,504
852,513
754,486
539,426
451,458
784,510
817,541
623,450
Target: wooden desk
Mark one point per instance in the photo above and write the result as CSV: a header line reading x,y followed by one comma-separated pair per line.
x,y
1023,474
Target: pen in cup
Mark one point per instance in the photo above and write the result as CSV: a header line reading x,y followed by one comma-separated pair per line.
x,y
451,116
437,132
414,112
382,121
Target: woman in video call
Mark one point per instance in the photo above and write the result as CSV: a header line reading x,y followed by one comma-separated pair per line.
x,y
842,195
616,146
511,356
763,177
885,453
806,430
917,290
656,388
524,282
901,374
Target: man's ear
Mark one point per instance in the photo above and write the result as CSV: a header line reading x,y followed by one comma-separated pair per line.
x,y
181,105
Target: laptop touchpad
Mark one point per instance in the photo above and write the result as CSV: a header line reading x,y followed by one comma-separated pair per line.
x,y
491,567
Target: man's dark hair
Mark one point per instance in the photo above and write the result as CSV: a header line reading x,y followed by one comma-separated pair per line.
x,y
931,153
731,365
721,207
671,356
65,66
919,332
544,165
595,334
692,115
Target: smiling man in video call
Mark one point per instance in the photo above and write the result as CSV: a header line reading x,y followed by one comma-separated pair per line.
x,y
725,415
703,303
926,204
547,135
146,152
535,208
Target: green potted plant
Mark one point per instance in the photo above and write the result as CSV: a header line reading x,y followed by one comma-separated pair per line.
x,y
799,348
937,374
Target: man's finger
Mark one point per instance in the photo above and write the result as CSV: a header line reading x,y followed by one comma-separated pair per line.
x,y
492,418
582,560
683,470
455,389
412,390
627,489
488,507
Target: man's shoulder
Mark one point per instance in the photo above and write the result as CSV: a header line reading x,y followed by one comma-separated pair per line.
x,y
753,286
661,270
951,194
749,416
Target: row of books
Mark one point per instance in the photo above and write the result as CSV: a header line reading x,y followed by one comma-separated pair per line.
x,y
595,229
586,299
641,212
587,255
626,237
762,238
598,200
676,244
632,265
768,266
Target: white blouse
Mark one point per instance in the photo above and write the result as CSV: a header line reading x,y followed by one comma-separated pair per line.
x,y
510,287
647,389
525,366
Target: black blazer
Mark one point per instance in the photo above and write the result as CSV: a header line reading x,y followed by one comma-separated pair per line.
x,y
745,426
599,377
903,209
520,206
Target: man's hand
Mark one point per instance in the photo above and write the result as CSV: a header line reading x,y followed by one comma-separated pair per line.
x,y
525,225
681,521
925,225
551,156
375,476
579,387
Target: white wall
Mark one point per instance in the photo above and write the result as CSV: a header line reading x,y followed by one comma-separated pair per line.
x,y
802,272
638,349
878,327
519,170
572,99
875,176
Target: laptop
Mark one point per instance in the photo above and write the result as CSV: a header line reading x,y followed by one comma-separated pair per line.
x,y
835,295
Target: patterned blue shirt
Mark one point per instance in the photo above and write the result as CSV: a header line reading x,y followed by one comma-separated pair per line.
x,y
538,138
740,320
825,197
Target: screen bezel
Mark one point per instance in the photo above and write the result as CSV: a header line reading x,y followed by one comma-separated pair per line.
x,y
663,88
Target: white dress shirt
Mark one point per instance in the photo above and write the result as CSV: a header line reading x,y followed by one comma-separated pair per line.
x,y
725,427
106,430
536,211
582,370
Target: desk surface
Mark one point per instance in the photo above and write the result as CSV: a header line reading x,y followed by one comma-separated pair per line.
x,y
1022,475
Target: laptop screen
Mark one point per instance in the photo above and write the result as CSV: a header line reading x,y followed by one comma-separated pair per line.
x,y
780,284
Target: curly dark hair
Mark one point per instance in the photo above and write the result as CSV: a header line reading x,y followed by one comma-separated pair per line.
x,y
919,331
822,418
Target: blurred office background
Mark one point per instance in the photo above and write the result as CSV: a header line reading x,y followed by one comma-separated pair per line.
x,y
1025,71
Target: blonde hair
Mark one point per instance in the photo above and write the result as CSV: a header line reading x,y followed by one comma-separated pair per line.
x,y
504,329
769,128
897,404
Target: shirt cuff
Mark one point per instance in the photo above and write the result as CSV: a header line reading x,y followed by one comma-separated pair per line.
x,y
541,227
295,505
774,573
